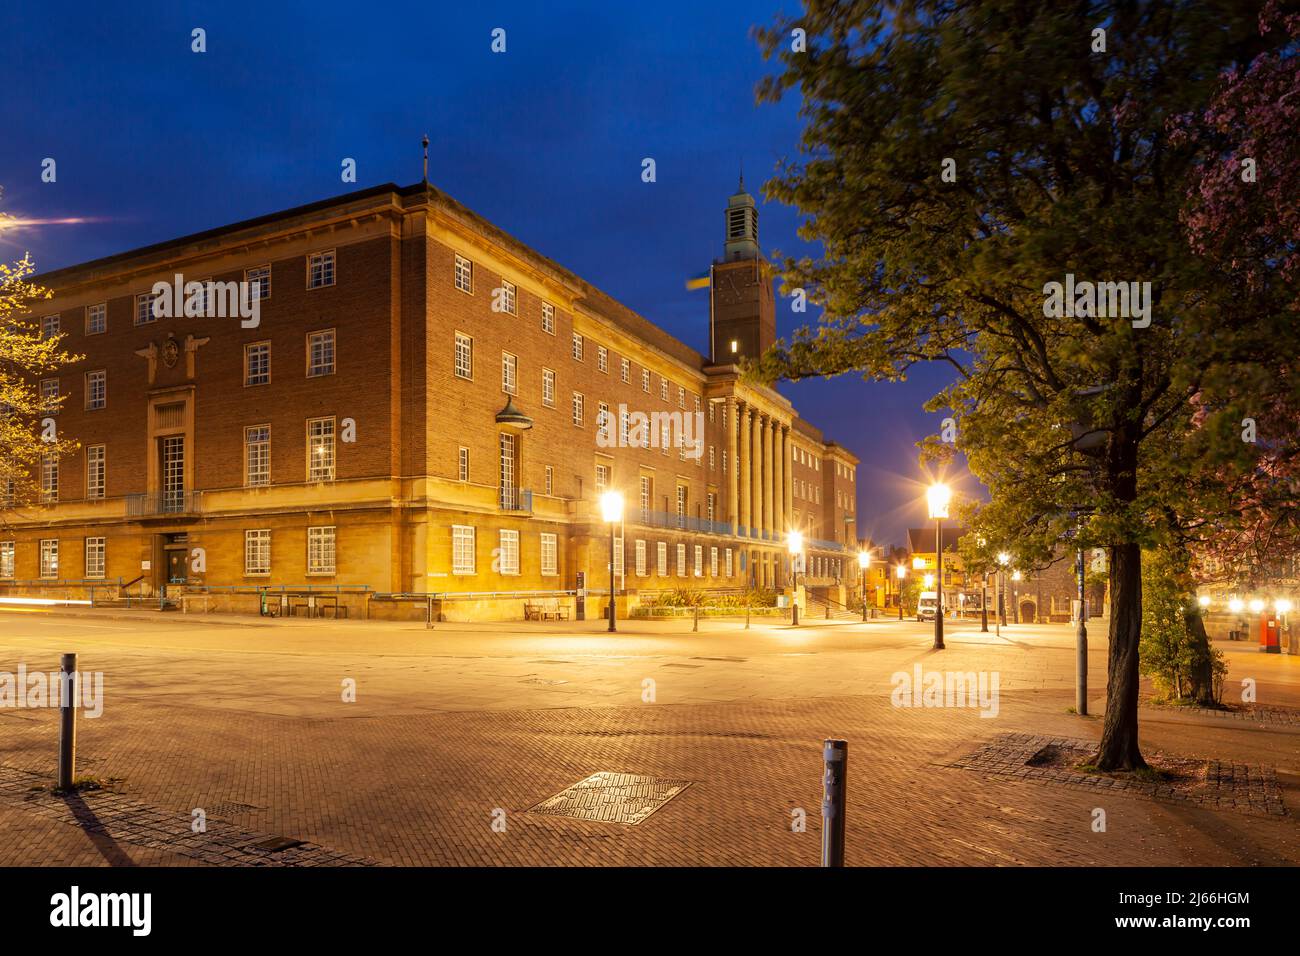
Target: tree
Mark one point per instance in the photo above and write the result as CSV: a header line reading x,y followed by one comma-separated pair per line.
x,y
1176,651
27,432
962,165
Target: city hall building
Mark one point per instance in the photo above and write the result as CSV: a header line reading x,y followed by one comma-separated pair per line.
x,y
422,405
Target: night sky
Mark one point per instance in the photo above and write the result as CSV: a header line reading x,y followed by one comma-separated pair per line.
x,y
154,141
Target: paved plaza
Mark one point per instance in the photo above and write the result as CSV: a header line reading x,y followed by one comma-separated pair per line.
x,y
459,737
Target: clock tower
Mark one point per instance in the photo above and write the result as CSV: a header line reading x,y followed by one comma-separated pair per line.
x,y
742,307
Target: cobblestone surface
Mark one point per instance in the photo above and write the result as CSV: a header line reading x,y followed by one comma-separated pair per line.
x,y
1226,786
110,819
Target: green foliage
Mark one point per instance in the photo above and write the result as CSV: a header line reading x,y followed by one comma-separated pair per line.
x,y
1173,650
696,597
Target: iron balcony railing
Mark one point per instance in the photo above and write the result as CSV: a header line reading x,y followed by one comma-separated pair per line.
x,y
515,499
164,503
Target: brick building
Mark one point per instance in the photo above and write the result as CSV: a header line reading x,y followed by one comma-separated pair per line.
x,y
424,405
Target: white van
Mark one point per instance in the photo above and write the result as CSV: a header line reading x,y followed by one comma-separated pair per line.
x,y
927,605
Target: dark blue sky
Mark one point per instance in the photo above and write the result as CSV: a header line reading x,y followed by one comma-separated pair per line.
x,y
545,140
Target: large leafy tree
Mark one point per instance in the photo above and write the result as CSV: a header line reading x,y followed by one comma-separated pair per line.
x,y
1064,163
26,430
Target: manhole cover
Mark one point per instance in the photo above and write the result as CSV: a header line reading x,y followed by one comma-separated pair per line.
x,y
276,844
612,798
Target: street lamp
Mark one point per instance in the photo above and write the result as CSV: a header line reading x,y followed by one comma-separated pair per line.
x,y
1015,596
864,562
1203,600
794,542
1256,606
900,572
938,495
611,509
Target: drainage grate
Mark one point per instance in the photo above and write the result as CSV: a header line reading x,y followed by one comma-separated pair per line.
x,y
612,798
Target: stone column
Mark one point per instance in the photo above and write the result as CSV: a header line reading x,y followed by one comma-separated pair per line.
x,y
742,467
778,480
787,448
756,467
769,476
733,465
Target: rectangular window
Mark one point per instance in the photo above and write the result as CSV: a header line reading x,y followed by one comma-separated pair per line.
x,y
681,396
96,389
320,550
623,423
699,560
645,380
548,388
49,479
97,318
49,326
94,471
464,356
577,347
646,492
464,275
50,396
681,560
640,558
548,318
577,408
712,499
320,270
320,449
618,555
509,376
6,559
257,551
713,562
602,478
681,505
728,562
603,421
94,557
712,458
509,298
625,370
550,480
462,549
509,543
602,358
49,557
661,558
257,455
257,363
663,389
462,464
320,353
550,555
144,311
259,282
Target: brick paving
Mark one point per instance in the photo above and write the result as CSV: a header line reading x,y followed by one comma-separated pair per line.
x,y
1225,786
448,730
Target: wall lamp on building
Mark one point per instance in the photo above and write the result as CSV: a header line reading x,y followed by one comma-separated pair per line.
x,y
611,510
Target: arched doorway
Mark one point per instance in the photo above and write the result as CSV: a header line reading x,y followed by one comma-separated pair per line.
x,y
1028,612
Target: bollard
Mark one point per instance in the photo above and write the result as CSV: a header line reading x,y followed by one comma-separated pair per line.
x,y
828,610
747,617
835,755
696,626
67,721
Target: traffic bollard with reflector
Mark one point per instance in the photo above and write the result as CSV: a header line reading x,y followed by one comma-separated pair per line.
x,y
67,721
835,755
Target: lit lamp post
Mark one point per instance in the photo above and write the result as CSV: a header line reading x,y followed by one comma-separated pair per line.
x,y
900,572
1003,559
611,509
794,542
938,495
1015,596
864,562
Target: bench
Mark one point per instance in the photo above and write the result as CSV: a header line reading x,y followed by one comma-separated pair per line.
x,y
547,609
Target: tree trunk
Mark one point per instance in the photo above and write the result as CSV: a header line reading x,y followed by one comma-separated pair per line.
x,y
1201,680
1118,749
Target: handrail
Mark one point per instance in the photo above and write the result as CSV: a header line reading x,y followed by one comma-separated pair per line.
x,y
60,582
